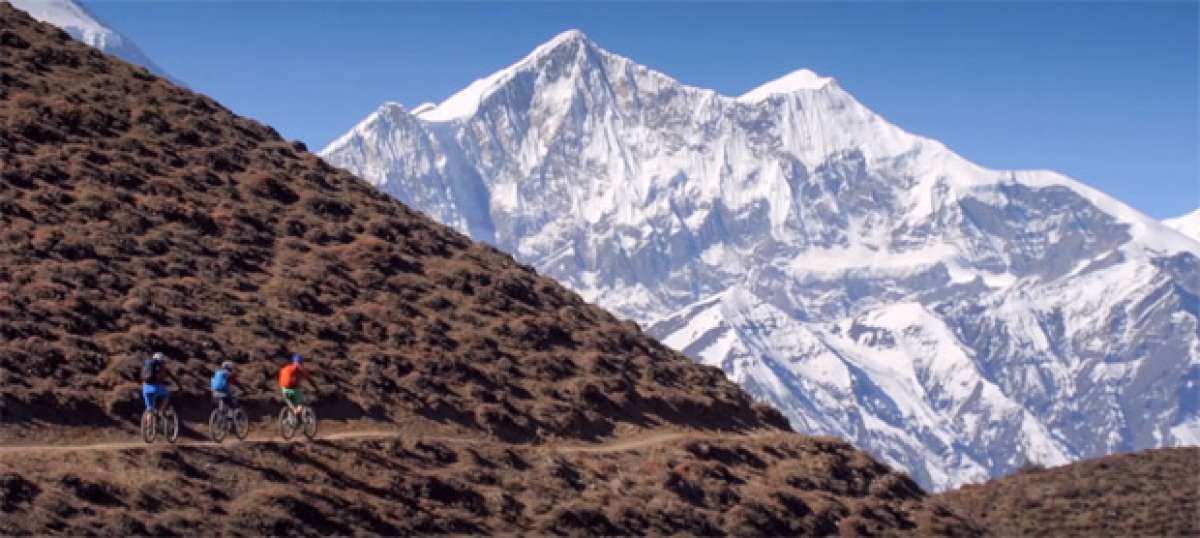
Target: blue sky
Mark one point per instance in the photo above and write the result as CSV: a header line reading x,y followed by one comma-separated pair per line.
x,y
1104,92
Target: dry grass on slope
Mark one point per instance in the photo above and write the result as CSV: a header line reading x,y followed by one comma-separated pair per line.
x,y
760,485
1151,493
138,216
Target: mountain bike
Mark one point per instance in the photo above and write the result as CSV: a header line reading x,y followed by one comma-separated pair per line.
x,y
226,418
157,422
289,422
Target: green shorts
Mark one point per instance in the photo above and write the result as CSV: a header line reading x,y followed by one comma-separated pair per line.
x,y
293,396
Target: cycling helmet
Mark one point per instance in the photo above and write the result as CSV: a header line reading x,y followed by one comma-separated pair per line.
x,y
158,356
296,358
228,365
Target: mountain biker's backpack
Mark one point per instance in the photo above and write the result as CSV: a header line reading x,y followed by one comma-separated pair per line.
x,y
152,372
220,380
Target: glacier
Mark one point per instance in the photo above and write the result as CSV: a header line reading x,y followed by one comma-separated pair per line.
x,y
956,321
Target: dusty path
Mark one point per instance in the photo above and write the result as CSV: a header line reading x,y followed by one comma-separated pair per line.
x,y
125,445
616,445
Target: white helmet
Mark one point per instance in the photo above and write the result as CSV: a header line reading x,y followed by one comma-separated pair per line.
x,y
158,356
228,365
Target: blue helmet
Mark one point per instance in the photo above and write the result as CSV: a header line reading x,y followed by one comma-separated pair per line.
x,y
296,358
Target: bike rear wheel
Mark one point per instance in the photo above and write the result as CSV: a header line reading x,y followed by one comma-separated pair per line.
x,y
287,423
170,424
241,424
217,425
310,423
149,426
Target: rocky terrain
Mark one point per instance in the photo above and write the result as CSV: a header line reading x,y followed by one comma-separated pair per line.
x,y
138,216
1151,493
955,321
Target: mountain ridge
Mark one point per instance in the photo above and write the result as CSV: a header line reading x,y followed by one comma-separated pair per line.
x,y
649,196
798,80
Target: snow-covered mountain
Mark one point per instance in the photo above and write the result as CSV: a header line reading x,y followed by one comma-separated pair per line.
x,y
958,322
83,26
1188,224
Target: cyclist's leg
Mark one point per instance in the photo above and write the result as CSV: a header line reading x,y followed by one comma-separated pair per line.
x,y
164,396
148,396
294,399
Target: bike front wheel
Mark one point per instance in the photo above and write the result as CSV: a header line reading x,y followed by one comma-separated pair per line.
x,y
170,425
287,423
241,424
217,425
310,423
149,426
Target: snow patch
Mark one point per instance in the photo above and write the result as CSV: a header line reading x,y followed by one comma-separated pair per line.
x,y
1188,224
796,81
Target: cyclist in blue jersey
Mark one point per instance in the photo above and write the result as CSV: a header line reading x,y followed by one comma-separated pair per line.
x,y
154,389
223,380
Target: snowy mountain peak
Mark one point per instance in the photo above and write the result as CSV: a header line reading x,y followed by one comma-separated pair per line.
x,y
464,103
85,27
423,107
568,36
389,117
957,321
392,106
1188,224
798,80
381,118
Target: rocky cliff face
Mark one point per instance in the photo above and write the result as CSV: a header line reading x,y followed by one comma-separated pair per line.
x,y
956,321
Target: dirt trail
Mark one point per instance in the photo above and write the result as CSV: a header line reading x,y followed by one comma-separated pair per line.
x,y
615,445
124,445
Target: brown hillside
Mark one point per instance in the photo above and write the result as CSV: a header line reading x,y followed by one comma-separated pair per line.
x,y
770,485
137,216
1151,493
